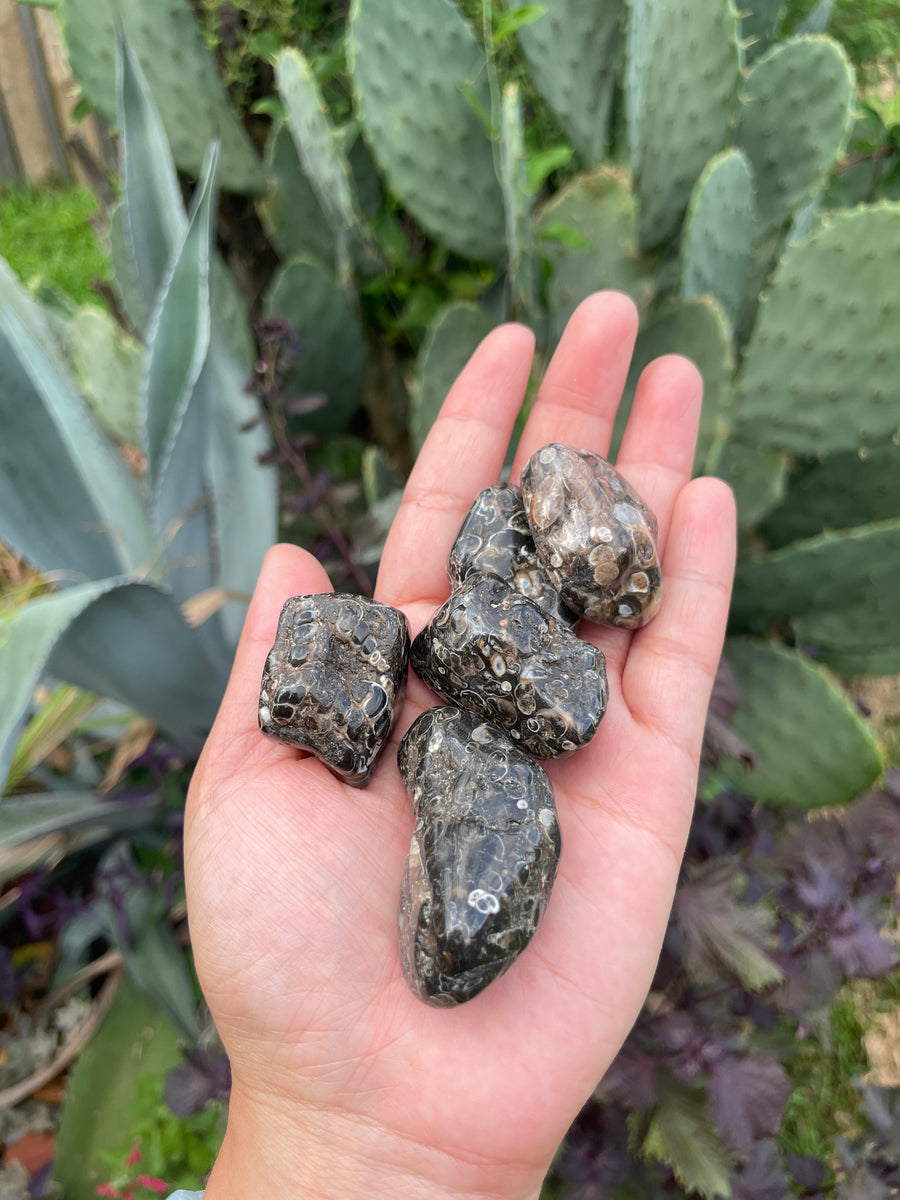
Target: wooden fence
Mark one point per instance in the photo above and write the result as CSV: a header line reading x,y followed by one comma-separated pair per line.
x,y
39,140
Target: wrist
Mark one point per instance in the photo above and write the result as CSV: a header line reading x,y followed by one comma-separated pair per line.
x,y
269,1154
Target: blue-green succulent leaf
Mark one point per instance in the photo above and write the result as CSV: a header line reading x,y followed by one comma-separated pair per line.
x,y
67,500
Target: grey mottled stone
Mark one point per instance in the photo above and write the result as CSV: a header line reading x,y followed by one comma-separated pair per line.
x,y
495,652
594,535
483,855
335,679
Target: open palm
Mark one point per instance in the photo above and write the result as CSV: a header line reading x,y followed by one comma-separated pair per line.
x,y
345,1083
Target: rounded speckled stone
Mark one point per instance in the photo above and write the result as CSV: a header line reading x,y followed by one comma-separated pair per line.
x,y
594,535
492,651
335,679
495,536
483,855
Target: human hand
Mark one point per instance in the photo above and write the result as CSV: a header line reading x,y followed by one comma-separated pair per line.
x,y
344,1083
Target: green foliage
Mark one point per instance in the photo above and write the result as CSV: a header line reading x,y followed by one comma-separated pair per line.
x,y
821,366
47,238
182,75
824,1103
452,338
135,1039
332,357
587,236
718,232
573,50
420,84
682,1135
666,44
814,748
867,29
180,1150
795,110
699,330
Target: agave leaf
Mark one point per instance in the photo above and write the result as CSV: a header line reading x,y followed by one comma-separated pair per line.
x,y
243,495
178,338
67,501
133,645
27,638
154,220
69,812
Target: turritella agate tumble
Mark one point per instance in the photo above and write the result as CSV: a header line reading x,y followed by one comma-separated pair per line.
x,y
335,679
483,855
495,536
594,535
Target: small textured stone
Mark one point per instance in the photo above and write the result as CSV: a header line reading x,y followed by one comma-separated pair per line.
x,y
483,855
335,679
494,652
495,536
594,534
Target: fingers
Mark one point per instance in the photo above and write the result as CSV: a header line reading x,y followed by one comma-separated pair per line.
x,y
671,664
286,571
583,383
462,454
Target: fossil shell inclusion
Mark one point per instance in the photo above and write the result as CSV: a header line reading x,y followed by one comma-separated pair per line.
x,y
335,679
495,652
594,535
495,537
483,855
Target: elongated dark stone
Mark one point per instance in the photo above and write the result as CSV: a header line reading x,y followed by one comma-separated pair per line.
x,y
495,536
594,535
494,652
483,855
335,679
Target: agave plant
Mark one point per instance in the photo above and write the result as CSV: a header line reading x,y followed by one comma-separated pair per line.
x,y
152,563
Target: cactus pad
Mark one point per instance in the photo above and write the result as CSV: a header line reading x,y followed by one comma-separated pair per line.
x,y
451,340
181,73
718,233
411,65
573,53
820,373
698,330
813,747
681,82
843,585
756,475
795,110
587,234
332,359
759,26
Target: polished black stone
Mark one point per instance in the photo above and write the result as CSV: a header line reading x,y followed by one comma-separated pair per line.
x,y
495,537
335,679
594,535
483,855
495,652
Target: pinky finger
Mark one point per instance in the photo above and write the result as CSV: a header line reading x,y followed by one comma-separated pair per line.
x,y
671,665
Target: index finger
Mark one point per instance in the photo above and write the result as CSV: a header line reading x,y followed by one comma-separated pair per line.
x,y
462,454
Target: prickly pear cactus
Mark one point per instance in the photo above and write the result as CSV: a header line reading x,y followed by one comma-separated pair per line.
x,y
788,702
180,70
587,235
838,591
682,61
332,358
451,339
698,330
842,491
573,53
795,110
411,66
759,26
820,372
718,234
